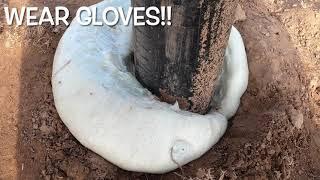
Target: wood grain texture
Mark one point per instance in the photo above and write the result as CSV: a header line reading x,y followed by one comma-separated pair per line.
x,y
182,62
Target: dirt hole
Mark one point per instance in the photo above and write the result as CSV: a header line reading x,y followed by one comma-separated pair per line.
x,y
263,140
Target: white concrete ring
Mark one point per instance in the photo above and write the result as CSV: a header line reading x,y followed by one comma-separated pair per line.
x,y
109,112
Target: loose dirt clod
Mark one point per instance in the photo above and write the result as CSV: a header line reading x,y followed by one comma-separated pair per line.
x,y
296,118
240,14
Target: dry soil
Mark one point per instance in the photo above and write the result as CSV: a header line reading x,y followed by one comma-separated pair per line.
x,y
275,134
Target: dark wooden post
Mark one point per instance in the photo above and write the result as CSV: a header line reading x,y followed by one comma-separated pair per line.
x,y
182,62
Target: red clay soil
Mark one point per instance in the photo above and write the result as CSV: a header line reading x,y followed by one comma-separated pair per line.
x,y
274,135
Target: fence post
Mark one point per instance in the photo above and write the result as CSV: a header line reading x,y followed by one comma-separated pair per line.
x,y
182,62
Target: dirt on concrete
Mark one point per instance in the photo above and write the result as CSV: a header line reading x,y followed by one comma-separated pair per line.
x,y
275,134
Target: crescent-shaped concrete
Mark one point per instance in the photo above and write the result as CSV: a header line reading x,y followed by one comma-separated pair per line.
x,y
109,112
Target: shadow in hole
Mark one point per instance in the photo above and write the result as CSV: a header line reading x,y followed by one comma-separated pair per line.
x,y
48,150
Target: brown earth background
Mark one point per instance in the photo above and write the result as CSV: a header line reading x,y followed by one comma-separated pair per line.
x,y
275,134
